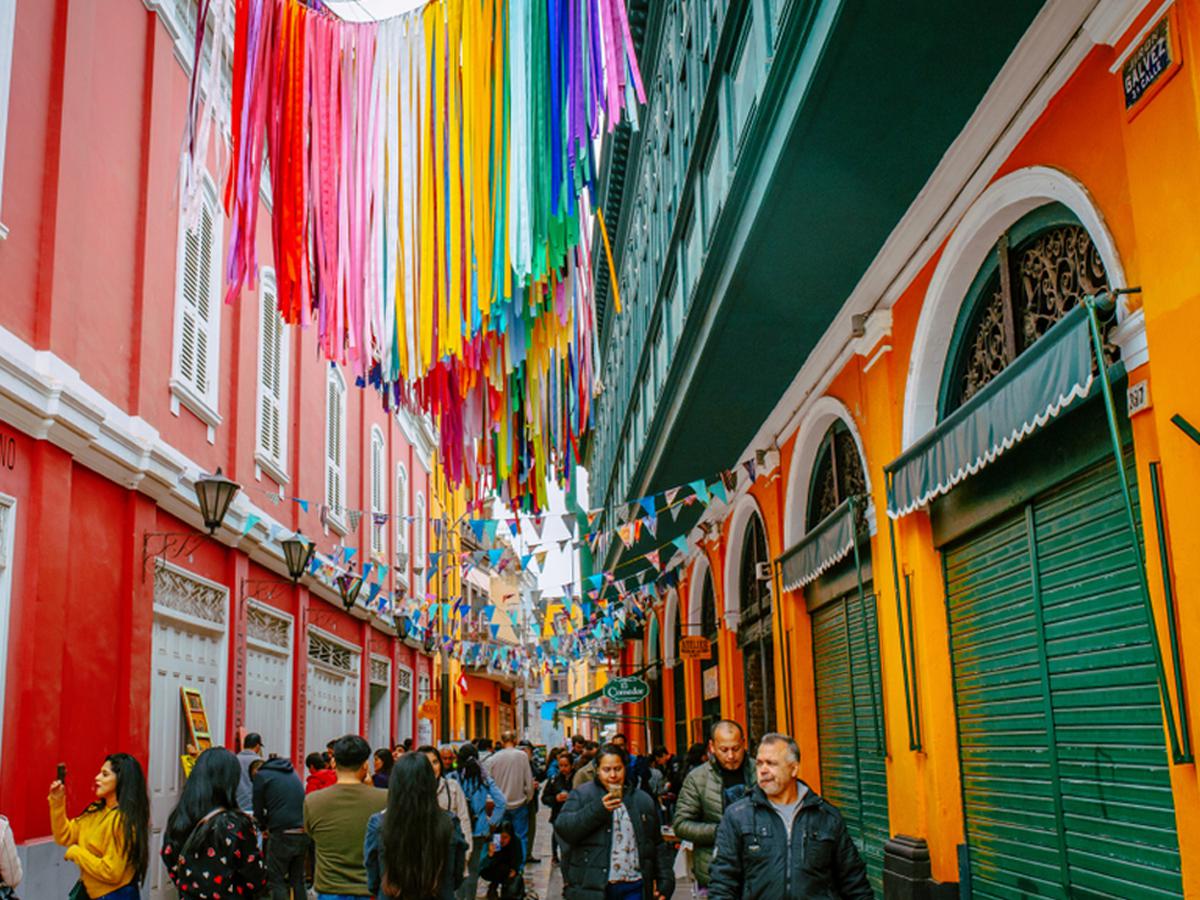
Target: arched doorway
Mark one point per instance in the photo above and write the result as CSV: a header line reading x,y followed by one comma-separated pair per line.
x,y
832,565
679,688
710,679
755,631
1057,704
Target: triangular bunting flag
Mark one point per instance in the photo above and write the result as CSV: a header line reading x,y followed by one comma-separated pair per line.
x,y
647,504
717,488
701,490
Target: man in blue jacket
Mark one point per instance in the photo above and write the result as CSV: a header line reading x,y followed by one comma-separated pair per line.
x,y
782,841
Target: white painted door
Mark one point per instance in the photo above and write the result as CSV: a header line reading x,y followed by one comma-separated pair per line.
x,y
380,710
188,650
269,678
332,706
404,709
333,672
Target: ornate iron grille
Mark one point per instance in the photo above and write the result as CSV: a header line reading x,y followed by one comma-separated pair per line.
x,y
1033,286
379,671
177,591
268,628
837,475
331,654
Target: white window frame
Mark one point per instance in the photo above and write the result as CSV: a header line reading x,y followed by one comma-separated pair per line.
x,y
403,525
335,466
8,29
274,464
420,534
379,488
203,403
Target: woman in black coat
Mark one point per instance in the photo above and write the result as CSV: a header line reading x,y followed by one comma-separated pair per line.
x,y
614,848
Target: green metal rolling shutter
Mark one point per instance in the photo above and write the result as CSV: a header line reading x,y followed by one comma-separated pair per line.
x,y
849,724
1066,788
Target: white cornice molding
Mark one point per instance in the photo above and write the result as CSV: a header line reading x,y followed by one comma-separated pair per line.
x,y
47,399
1130,336
1110,19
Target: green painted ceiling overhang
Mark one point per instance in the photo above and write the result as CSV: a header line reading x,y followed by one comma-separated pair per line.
x,y
870,100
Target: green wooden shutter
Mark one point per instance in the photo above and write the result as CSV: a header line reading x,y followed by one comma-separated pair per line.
x,y
1066,788
849,723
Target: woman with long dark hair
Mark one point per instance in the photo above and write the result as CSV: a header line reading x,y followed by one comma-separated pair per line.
x,y
210,847
449,793
487,804
413,849
383,762
614,847
110,841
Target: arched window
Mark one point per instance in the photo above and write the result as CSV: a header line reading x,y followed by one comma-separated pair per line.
x,y
1043,266
754,590
837,475
708,609
754,632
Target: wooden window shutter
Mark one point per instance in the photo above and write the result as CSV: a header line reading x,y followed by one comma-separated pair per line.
x,y
270,376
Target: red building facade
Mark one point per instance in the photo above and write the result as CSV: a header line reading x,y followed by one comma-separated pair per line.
x,y
124,378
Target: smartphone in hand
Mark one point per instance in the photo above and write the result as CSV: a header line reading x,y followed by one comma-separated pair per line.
x,y
61,774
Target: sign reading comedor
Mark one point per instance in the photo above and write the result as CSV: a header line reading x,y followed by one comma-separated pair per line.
x,y
629,689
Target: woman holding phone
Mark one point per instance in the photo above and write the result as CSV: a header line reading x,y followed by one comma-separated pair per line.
x,y
614,848
110,840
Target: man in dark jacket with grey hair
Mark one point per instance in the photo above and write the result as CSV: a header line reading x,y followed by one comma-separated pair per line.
x,y
782,841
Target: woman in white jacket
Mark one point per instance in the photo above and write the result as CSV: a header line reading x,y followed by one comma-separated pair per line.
x,y
450,794
10,863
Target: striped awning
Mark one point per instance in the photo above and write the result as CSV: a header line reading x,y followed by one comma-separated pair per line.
x,y
825,544
1048,378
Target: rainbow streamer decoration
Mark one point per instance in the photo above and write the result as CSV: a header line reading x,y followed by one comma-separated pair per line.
x,y
432,208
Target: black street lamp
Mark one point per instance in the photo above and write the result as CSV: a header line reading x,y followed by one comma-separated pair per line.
x,y
348,585
297,553
215,493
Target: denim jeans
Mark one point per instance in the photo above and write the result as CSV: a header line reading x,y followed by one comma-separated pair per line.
x,y
285,866
519,818
471,883
128,892
623,890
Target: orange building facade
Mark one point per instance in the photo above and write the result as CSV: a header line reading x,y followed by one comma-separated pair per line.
x,y
984,688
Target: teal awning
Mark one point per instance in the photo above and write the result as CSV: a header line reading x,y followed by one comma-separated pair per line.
x,y
825,544
1043,381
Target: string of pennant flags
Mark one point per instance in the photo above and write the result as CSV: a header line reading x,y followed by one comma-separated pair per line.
x,y
606,603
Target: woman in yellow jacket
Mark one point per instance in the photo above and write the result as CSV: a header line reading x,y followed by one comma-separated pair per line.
x,y
110,841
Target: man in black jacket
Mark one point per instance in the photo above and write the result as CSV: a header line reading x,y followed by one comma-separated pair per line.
x,y
782,841
279,811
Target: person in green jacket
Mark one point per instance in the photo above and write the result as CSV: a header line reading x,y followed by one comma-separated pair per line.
x,y
709,790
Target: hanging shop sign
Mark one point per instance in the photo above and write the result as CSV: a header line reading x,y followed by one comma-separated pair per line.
x,y
429,710
629,689
712,683
695,647
1150,65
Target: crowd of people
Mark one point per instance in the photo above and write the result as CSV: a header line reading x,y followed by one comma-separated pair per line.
x,y
430,823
